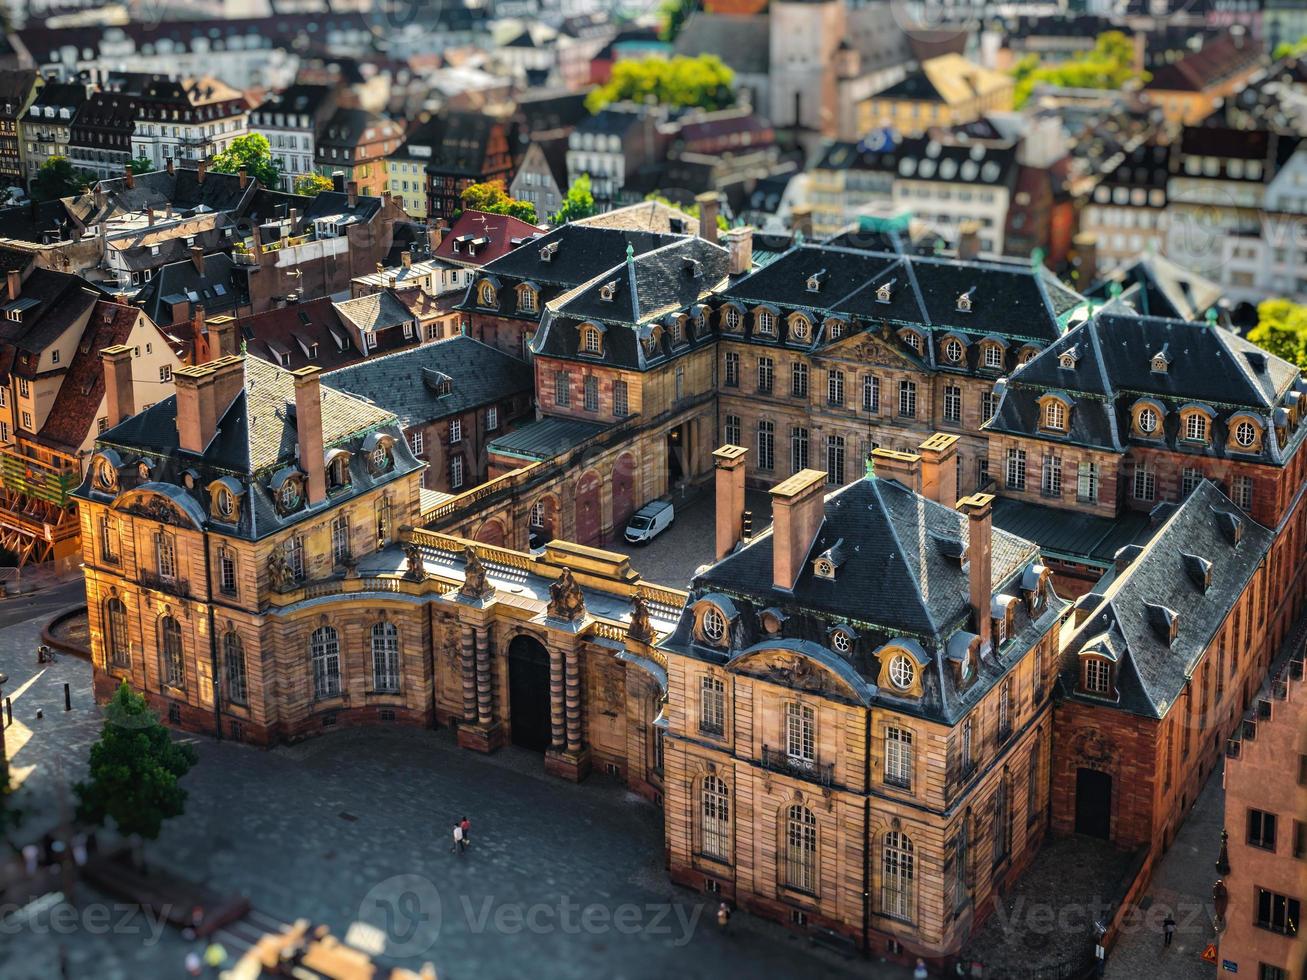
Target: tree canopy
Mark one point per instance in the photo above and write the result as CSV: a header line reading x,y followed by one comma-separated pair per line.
x,y
1108,65
578,203
311,185
691,209
1282,330
702,82
1291,49
672,15
134,771
492,197
57,178
141,164
254,153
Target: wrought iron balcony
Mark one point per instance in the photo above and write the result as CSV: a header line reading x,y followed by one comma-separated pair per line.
x,y
778,760
162,583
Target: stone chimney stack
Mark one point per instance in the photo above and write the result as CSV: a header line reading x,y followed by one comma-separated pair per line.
x,y
197,257
436,234
797,506
739,243
1085,246
801,221
978,509
14,283
729,464
709,204
904,468
352,190
308,430
939,469
244,177
197,327
119,399
129,178
222,336
149,216
969,241
407,259
204,393
167,162
200,170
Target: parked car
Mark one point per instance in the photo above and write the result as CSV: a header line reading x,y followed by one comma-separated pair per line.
x,y
650,521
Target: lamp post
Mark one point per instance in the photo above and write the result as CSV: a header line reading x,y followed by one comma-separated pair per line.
x,y
4,756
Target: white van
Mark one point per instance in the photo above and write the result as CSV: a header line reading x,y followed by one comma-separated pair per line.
x,y
649,521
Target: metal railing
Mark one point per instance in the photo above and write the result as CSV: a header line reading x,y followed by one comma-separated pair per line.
x,y
777,760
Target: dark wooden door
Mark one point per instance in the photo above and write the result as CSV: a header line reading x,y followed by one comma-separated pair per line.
x,y
1094,803
528,693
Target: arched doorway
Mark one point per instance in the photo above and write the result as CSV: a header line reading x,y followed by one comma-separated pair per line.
x,y
623,491
589,513
1094,803
492,533
528,693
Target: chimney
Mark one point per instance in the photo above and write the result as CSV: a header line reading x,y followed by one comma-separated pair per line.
x,y
739,243
797,512
709,205
118,395
902,467
1086,249
129,178
977,507
14,282
167,162
197,256
407,259
204,393
256,240
308,430
294,218
939,469
149,217
352,189
222,336
244,177
969,241
200,168
338,181
801,221
436,234
197,327
730,497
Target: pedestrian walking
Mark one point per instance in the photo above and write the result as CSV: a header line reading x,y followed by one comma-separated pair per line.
x,y
919,971
466,824
723,916
1168,930
194,965
458,839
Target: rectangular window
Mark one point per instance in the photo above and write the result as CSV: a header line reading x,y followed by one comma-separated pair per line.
x,y
24,388
968,731
108,540
731,430
988,405
415,442
1005,710
1032,786
898,757
766,371
766,445
1145,487
908,399
492,418
621,406
952,403
1261,829
339,539
455,431
165,372
800,733
455,472
562,389
295,557
27,421
1189,480
227,571
835,460
835,387
1299,839
798,449
712,706
799,380
1276,912
165,557
1015,475
871,393
591,393
1051,483
1087,483
1098,677
732,369
1243,492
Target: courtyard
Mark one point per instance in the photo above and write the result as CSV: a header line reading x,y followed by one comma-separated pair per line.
x,y
354,827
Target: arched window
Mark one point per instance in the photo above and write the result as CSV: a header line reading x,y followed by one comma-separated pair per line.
x,y
897,877
1147,421
1195,427
324,652
385,657
801,848
233,662
766,322
1055,415
716,811
170,652
486,294
120,650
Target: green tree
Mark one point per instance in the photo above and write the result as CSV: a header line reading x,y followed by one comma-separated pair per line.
x,y
702,81
690,209
578,203
492,198
311,185
134,771
57,178
1110,64
672,17
1282,330
141,164
254,153
1291,49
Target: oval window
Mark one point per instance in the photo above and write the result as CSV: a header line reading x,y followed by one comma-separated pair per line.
x,y
1148,421
714,625
902,671
1245,434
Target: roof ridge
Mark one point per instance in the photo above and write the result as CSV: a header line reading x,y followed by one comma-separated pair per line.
x,y
898,552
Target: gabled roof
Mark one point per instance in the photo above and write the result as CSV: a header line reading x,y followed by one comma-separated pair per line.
x,y
1221,58
50,302
218,288
1160,585
376,311
478,237
1155,286
299,334
182,190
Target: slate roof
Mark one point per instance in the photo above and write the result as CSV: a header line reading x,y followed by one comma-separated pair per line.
x,y
546,438
52,302
1151,672
1071,535
376,311
1220,59
255,439
1153,285
182,190
219,288
294,329
1208,365
405,383
742,42
352,130
900,578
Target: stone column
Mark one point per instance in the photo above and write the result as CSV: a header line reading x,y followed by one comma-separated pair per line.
x,y
556,700
573,700
485,707
467,644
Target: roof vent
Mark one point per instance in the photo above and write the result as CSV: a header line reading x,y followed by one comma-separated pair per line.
x,y
964,300
693,269
951,548
1161,360
815,280
1256,360
1198,569
885,291
1125,556
1165,622
439,383
1231,526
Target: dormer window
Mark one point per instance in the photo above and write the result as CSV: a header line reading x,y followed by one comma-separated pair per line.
x,y
486,294
676,332
1161,361
913,340
815,280
592,339
607,291
823,568
765,321
1196,426
1096,676
290,495
731,318
1027,355
1245,434
800,328
1067,360
338,469
526,299
713,625
835,328
1055,415
548,252
1148,419
964,300
902,671
952,351
884,292
841,640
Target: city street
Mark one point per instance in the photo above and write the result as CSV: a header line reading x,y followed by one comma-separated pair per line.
x,y
561,880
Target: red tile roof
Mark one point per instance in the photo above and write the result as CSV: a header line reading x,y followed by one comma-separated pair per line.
x,y
493,234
